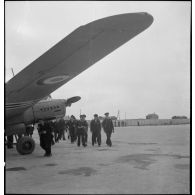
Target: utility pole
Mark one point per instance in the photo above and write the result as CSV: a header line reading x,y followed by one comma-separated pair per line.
x,y
118,115
12,71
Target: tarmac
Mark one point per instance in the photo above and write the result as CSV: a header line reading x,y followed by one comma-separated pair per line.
x,y
142,160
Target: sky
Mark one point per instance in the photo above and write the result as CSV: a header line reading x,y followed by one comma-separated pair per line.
x,y
150,73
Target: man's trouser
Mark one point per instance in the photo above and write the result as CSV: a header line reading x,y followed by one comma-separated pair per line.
x,y
81,135
108,140
62,134
96,136
46,142
86,136
72,135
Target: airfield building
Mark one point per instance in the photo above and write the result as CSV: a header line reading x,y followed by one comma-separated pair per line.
x,y
152,116
179,117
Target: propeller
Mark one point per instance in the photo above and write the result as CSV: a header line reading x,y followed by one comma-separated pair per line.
x,y
71,100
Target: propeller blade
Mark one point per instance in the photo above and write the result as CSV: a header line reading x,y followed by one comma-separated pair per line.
x,y
71,100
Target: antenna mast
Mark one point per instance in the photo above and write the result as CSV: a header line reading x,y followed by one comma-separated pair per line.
x,y
13,72
118,115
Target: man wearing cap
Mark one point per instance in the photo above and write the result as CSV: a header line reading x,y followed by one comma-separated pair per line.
x,y
72,128
45,132
86,130
82,128
95,127
108,128
60,126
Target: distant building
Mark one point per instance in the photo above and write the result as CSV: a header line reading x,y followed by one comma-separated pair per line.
x,y
179,117
152,116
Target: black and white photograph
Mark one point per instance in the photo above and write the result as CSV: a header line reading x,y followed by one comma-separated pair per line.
x,y
97,97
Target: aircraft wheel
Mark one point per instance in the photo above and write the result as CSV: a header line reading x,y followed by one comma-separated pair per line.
x,y
25,145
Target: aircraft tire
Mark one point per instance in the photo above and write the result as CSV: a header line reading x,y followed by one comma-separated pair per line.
x,y
25,145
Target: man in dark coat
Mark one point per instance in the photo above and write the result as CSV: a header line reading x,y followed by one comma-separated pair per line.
x,y
82,127
86,129
108,128
45,132
60,126
72,125
95,127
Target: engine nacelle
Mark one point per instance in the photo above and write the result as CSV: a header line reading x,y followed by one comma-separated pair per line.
x,y
47,110
15,129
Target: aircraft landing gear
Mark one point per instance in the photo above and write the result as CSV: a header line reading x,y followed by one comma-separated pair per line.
x,y
25,145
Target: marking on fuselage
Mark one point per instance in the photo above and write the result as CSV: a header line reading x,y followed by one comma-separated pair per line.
x,y
53,80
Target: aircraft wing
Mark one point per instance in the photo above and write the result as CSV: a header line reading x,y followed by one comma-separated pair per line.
x,y
72,55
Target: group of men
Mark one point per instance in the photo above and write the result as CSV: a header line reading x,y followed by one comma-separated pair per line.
x,y
51,132
77,129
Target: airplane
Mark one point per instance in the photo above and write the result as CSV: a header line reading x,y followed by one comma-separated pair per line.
x,y
82,48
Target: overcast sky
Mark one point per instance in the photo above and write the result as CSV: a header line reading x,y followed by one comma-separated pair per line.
x,y
150,73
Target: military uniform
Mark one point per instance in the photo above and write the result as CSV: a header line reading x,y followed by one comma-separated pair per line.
x,y
95,127
108,129
82,127
72,125
60,126
45,132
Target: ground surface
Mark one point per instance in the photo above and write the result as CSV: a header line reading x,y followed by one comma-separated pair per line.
x,y
152,159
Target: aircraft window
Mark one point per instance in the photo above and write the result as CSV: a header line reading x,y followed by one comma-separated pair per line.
x,y
51,108
57,106
41,109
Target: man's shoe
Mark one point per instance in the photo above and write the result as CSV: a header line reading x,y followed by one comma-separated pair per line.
x,y
48,155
